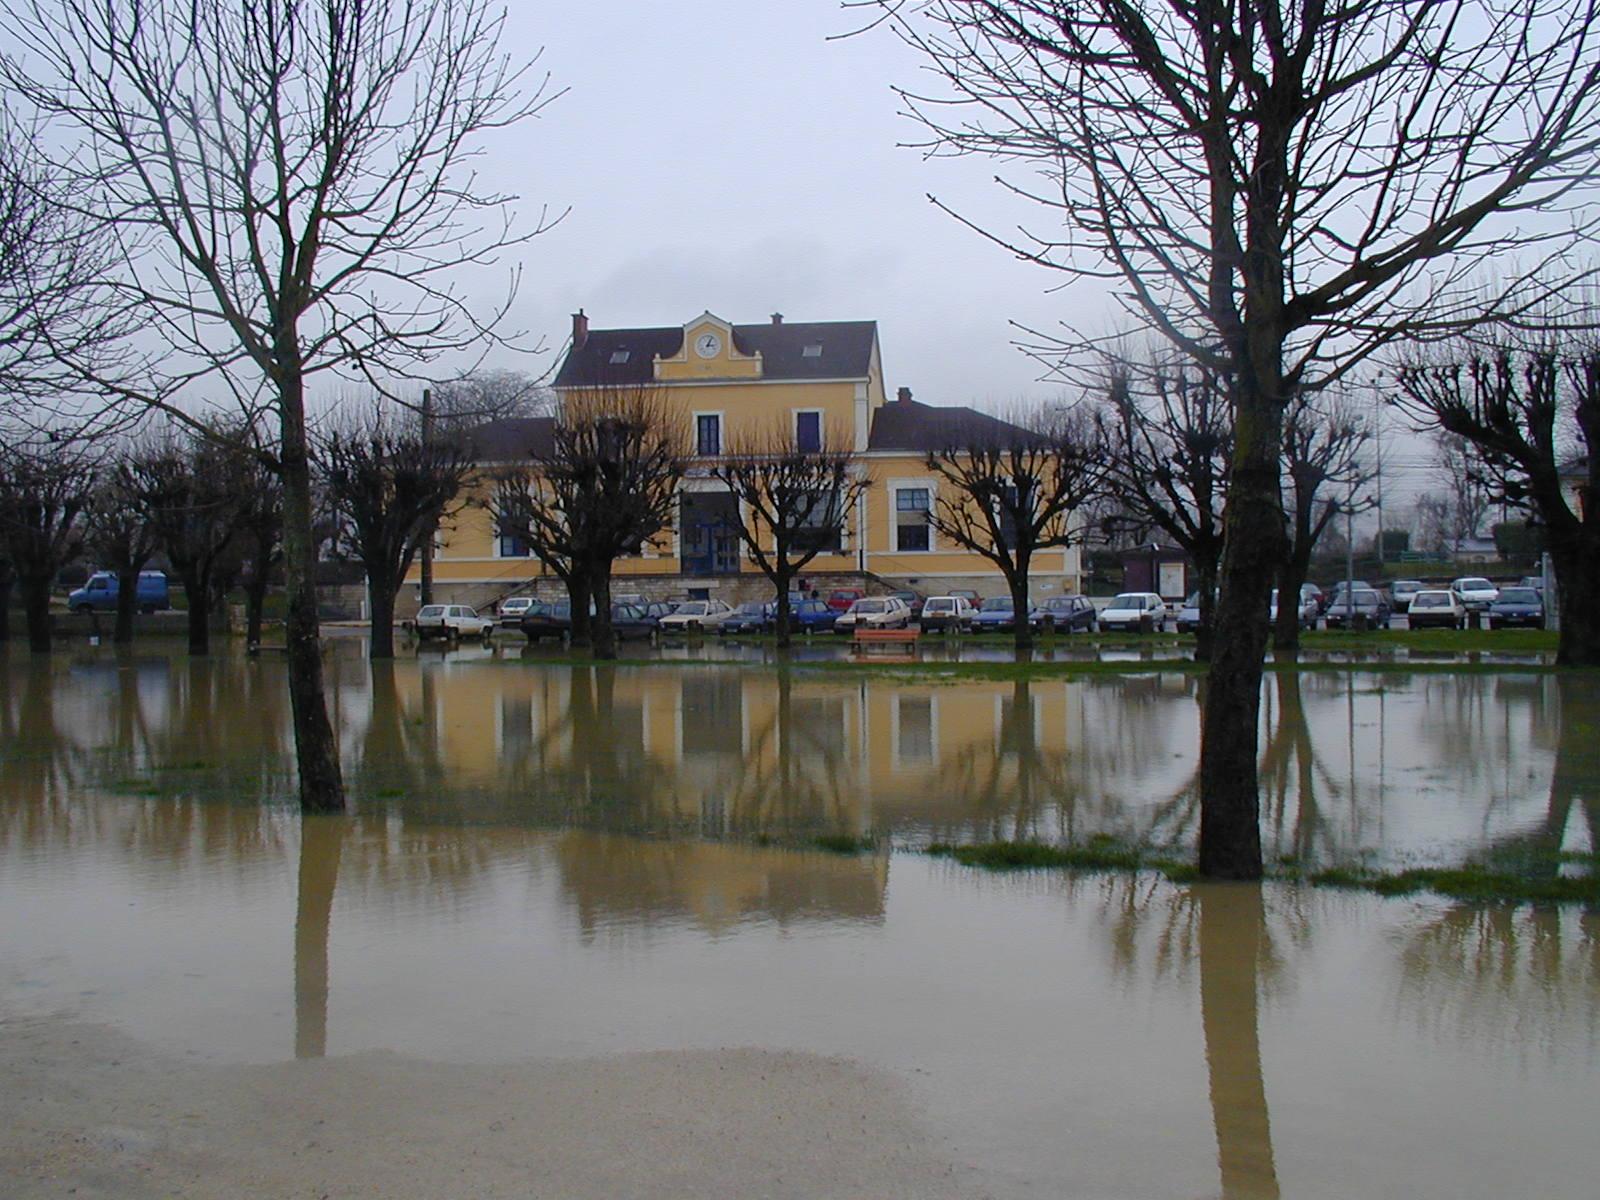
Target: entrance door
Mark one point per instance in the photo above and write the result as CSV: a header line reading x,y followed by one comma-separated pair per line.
x,y
709,534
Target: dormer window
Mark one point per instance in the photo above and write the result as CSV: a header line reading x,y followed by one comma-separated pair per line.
x,y
811,350
618,357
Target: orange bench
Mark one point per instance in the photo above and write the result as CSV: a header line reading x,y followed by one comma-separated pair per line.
x,y
904,639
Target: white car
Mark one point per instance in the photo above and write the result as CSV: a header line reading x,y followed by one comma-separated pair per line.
x,y
1475,592
1438,607
694,615
951,614
513,609
874,612
1134,612
451,621
1308,610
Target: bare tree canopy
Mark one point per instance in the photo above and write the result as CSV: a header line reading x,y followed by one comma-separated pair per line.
x,y
1532,417
1279,189
793,503
44,491
1168,431
289,186
1010,490
392,488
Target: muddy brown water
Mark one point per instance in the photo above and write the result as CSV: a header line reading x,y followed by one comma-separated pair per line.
x,y
549,861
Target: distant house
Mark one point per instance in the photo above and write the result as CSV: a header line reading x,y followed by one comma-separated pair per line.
x,y
814,382
1474,549
1152,567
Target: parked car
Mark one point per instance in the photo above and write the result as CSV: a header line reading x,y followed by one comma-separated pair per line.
x,y
1475,592
1436,607
995,615
967,594
451,622
946,614
840,599
913,602
1134,612
542,620
1311,594
1189,615
660,608
750,617
100,590
1517,606
811,616
693,616
1067,614
632,621
1536,582
1401,591
511,610
874,612
1351,608
1308,610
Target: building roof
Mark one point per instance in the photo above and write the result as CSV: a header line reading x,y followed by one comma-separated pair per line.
x,y
846,352
512,439
911,425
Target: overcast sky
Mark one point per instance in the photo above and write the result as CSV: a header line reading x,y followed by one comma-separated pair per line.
x,y
728,156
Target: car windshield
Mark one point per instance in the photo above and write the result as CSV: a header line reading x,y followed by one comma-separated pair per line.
x,y
695,608
1365,596
939,605
1405,585
1127,600
1430,600
1518,595
1058,603
997,604
1474,585
431,610
752,609
869,606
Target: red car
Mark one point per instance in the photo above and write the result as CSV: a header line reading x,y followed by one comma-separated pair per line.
x,y
840,599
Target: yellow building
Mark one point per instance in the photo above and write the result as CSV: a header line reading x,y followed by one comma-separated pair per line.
x,y
815,382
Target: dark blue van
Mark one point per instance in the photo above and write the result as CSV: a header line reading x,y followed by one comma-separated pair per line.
x,y
99,594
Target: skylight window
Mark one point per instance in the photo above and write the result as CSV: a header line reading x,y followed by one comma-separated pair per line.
x,y
812,350
619,356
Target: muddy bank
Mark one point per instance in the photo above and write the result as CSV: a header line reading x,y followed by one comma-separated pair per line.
x,y
87,1112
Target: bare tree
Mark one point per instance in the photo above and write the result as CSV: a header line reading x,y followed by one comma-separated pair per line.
x,y
186,486
793,503
44,490
1014,490
120,536
1280,190
290,188
1168,431
1461,480
392,488
489,395
526,507
1526,412
1324,444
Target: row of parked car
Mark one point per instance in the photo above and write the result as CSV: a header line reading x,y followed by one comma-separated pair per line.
x,y
846,609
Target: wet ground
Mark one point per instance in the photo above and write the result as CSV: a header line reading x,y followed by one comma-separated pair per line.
x,y
552,863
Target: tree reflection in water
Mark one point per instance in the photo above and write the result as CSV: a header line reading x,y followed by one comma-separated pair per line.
x,y
1228,934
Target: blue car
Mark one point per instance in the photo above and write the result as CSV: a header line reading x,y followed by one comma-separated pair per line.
x,y
750,617
1517,606
808,616
995,615
99,593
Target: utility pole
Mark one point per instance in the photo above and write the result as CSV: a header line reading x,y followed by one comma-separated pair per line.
x,y
1377,450
427,542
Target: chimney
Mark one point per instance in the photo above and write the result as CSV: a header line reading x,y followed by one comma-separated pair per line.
x,y
904,395
580,329
777,318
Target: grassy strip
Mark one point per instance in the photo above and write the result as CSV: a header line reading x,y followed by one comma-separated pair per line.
x,y
1474,882
844,843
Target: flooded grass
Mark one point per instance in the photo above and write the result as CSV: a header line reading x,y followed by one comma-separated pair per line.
x,y
844,843
1476,883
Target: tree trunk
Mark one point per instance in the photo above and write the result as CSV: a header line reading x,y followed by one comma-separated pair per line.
x,y
579,593
36,607
198,589
221,618
1021,630
1230,802
316,753
7,578
603,638
127,601
321,847
381,591
1577,569
1205,636
1291,578
782,574
255,601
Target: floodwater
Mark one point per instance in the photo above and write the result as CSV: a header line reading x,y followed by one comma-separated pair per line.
x,y
562,861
